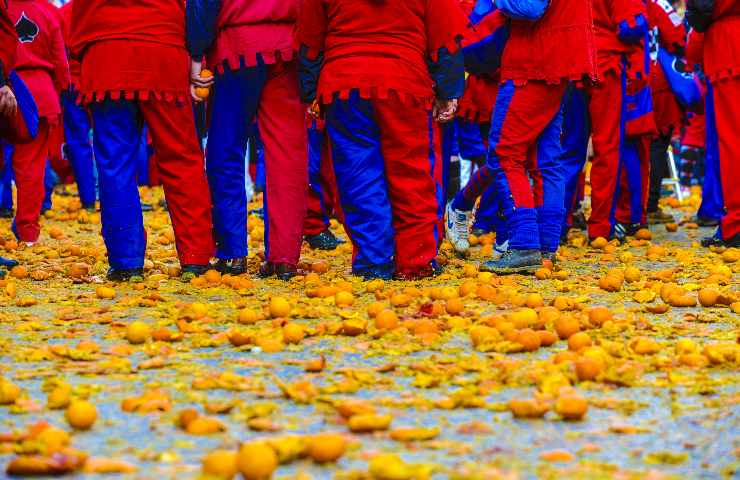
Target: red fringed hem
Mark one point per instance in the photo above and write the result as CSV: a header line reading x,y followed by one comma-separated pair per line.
x,y
724,74
475,115
371,93
140,95
236,61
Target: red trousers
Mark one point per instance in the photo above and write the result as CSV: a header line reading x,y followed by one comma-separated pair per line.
x,y
180,163
29,164
624,210
727,117
607,131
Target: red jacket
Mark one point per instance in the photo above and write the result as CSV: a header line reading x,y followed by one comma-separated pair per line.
x,y
8,41
247,28
722,42
561,46
75,67
42,61
377,47
131,48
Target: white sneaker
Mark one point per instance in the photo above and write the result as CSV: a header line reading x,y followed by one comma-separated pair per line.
x,y
457,231
500,250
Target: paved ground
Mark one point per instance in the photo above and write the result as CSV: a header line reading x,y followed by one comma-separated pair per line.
x,y
650,415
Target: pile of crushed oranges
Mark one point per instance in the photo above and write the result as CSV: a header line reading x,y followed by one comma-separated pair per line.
x,y
619,361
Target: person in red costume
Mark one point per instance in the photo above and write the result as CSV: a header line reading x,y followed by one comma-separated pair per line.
x,y
136,69
668,33
250,46
720,22
8,102
528,114
42,64
375,67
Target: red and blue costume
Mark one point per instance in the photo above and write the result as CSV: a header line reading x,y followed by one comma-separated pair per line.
x,y
524,141
250,46
376,66
720,22
77,126
42,64
135,70
322,194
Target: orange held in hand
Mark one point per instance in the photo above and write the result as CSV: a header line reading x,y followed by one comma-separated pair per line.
x,y
204,92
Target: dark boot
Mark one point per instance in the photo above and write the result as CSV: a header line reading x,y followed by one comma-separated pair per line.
x,y
431,270
124,274
283,271
659,216
188,272
515,261
233,266
6,213
705,221
325,240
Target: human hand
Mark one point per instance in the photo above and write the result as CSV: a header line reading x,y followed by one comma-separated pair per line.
x,y
8,103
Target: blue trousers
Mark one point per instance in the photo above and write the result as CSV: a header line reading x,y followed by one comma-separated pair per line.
x,y
117,145
389,184
77,127
712,203
6,179
576,131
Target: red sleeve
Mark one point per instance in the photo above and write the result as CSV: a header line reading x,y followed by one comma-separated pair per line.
x,y
670,25
628,11
8,40
695,48
311,26
59,58
446,24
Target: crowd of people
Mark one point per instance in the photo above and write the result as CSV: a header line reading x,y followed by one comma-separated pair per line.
x,y
358,109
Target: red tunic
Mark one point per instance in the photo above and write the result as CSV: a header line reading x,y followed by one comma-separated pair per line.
x,y
378,46
8,40
721,54
42,61
561,46
75,68
248,28
131,49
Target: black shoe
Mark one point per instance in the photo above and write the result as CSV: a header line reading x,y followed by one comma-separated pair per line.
x,y
705,222
713,241
624,230
733,242
90,208
2,274
8,263
579,221
659,216
260,212
430,271
6,213
233,266
550,257
283,271
147,207
479,232
323,241
188,272
369,274
124,274
515,261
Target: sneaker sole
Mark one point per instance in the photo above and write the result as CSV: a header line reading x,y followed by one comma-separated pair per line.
x,y
531,269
